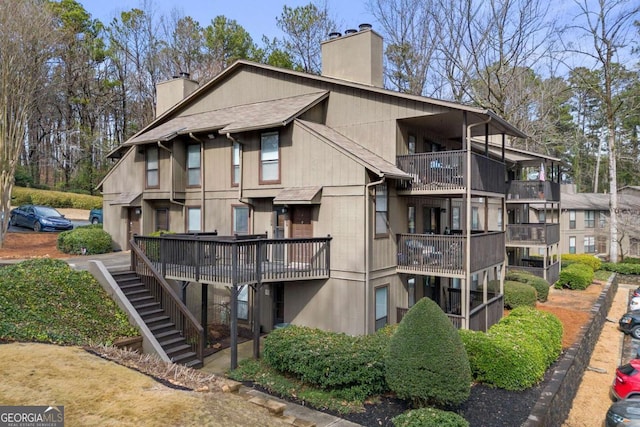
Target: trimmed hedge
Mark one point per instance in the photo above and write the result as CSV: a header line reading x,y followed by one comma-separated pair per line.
x,y
55,199
429,417
587,259
426,361
85,240
351,366
518,294
622,268
539,284
575,276
514,354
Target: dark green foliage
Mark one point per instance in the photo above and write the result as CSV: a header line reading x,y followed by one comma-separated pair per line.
x,y
518,294
86,240
622,268
45,300
426,361
575,276
631,260
429,417
590,260
540,285
351,366
516,352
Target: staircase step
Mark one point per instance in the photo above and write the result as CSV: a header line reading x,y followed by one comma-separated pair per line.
x,y
151,312
184,357
162,327
145,306
133,286
171,342
124,281
142,300
175,351
195,363
166,335
135,293
123,275
156,320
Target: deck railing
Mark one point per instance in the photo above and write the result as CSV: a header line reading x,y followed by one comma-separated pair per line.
x,y
446,170
552,272
169,301
533,234
238,259
540,191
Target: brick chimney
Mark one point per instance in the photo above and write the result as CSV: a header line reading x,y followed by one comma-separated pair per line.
x,y
170,92
355,56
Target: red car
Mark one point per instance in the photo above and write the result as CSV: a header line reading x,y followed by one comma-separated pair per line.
x,y
627,381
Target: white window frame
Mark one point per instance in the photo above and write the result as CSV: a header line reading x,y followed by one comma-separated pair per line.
x,y
270,159
236,218
194,219
193,165
235,163
382,210
152,167
382,306
572,244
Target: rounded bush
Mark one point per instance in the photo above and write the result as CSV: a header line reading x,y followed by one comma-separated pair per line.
x,y
575,276
426,361
590,260
540,285
518,294
86,240
429,417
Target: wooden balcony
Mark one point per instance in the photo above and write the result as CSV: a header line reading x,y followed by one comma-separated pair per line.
x,y
444,172
533,192
550,273
237,260
526,235
444,255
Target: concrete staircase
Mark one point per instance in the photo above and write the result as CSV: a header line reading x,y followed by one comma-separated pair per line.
x,y
159,323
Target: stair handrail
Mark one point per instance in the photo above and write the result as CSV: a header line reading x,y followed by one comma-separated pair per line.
x,y
187,320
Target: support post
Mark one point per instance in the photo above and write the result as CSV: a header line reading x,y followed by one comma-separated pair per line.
x,y
234,306
204,304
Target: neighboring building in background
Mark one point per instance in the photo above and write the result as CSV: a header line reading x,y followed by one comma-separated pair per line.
x,y
585,222
410,189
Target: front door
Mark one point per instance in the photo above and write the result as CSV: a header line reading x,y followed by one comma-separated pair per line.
x,y
301,228
133,224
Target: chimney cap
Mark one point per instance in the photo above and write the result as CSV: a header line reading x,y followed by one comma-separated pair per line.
x,y
334,35
350,31
184,74
364,26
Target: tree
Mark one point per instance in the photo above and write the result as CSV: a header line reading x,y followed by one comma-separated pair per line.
x,y
606,25
305,27
225,42
27,36
426,361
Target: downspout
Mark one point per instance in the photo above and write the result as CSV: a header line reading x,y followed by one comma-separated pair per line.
x,y
202,164
465,296
171,199
367,249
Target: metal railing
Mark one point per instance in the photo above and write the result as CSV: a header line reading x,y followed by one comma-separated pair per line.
x,y
533,234
456,319
237,260
540,191
169,301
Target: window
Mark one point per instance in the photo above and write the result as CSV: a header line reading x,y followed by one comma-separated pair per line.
x,y
542,217
603,219
455,218
269,157
572,219
381,306
411,220
634,246
475,220
193,165
151,162
243,302
381,209
235,177
601,245
499,218
589,219
240,220
411,291
412,144
162,219
589,245
193,220
572,245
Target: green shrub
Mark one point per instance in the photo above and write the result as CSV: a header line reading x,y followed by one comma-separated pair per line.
x,y
56,199
429,417
351,366
631,260
518,294
426,361
587,259
87,240
45,300
622,268
575,276
540,285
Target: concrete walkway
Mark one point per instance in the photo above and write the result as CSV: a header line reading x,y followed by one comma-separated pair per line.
x,y
220,362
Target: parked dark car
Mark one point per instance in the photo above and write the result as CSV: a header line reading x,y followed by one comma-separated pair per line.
x,y
623,413
40,218
629,323
626,383
95,216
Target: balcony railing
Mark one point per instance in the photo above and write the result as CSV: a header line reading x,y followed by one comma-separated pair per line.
x,y
533,234
550,273
237,260
533,191
445,254
446,170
